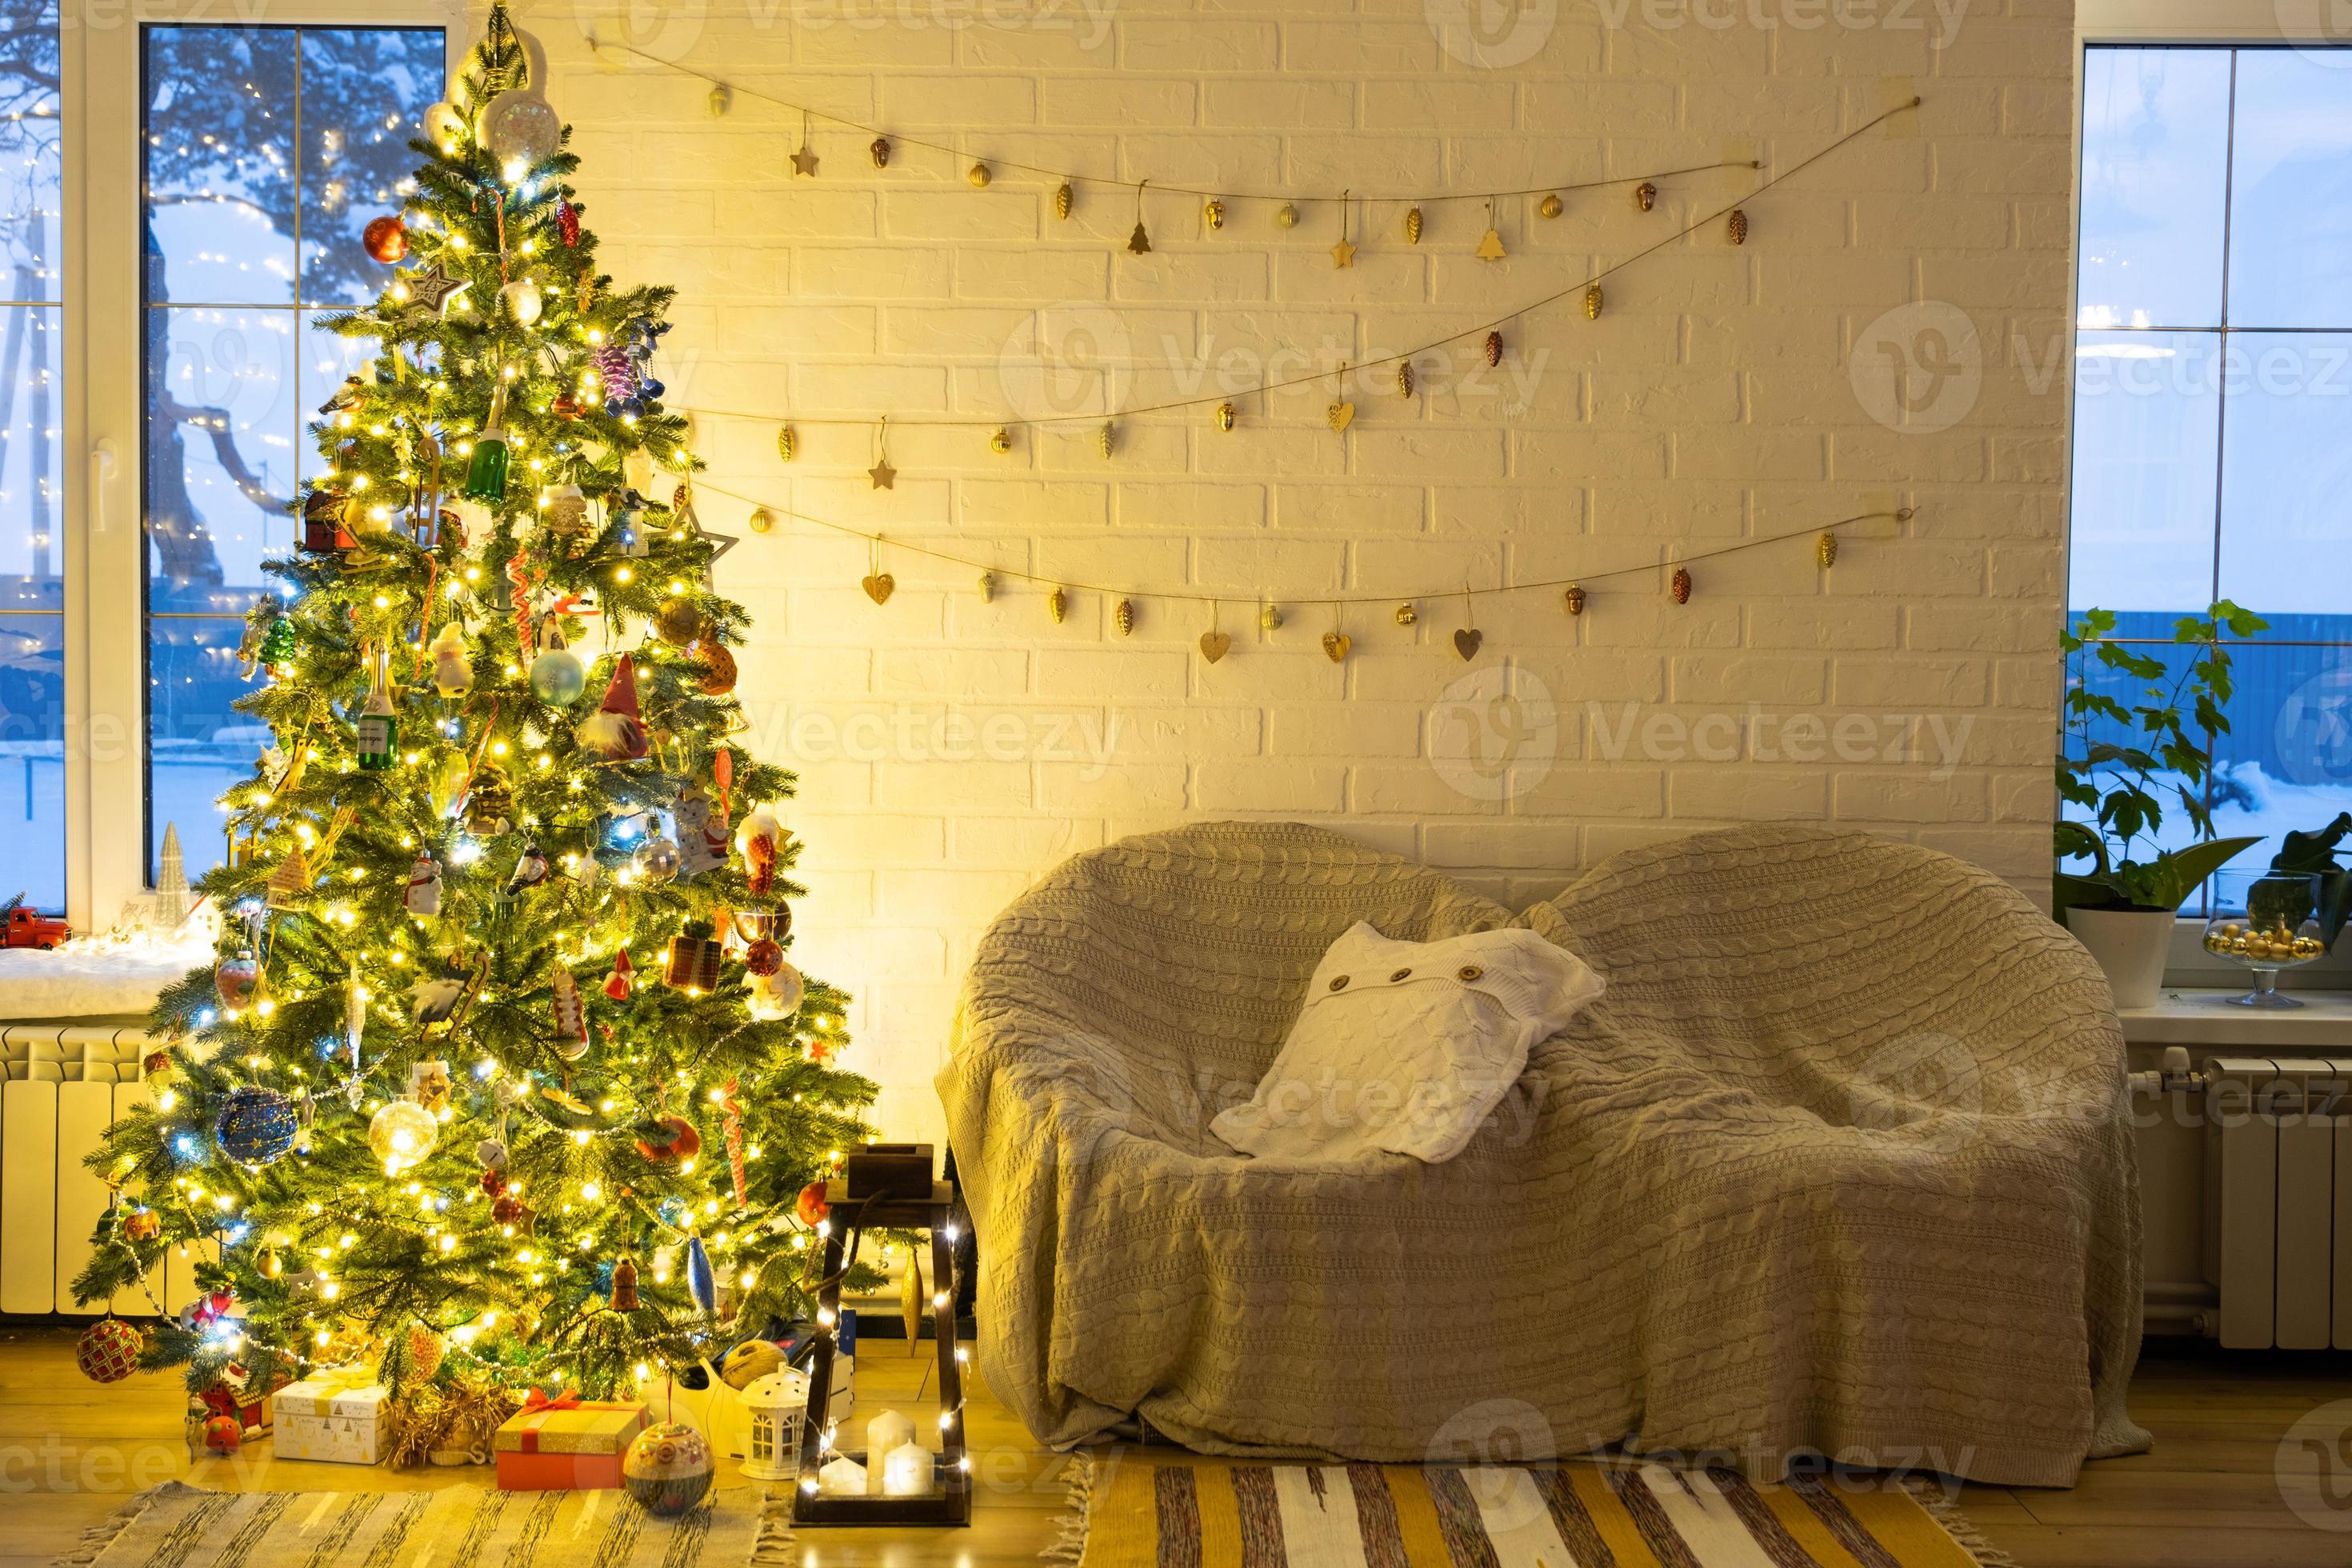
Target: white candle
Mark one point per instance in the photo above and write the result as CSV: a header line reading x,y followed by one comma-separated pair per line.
x,y
843,1474
884,1434
907,1471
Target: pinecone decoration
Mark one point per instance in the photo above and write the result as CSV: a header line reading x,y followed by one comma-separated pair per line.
x,y
1405,378
567,223
1057,605
1592,302
1825,549
1412,226
1738,227
1681,586
1645,195
1124,616
788,446
881,151
1574,598
1494,348
1062,199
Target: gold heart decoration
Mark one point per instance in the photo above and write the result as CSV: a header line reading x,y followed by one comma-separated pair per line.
x,y
1336,646
878,587
1341,415
1466,641
1214,645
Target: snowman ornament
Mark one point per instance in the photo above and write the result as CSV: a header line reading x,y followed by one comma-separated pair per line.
x,y
423,895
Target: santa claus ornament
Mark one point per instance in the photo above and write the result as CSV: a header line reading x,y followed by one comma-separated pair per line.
x,y
616,731
622,981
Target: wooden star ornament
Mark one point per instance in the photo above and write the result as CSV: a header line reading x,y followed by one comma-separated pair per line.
x,y
884,475
435,287
803,162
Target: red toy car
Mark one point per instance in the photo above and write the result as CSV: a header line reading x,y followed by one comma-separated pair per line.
x,y
30,928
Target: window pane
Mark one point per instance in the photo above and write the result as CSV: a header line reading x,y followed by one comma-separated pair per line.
x,y
223,421
2147,433
2155,157
2291,193
327,358
31,554
198,745
33,759
365,90
2287,763
220,165
31,175
2286,544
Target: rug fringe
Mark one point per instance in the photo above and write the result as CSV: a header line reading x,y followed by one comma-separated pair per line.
x,y
1078,1498
101,1535
1933,1497
771,1542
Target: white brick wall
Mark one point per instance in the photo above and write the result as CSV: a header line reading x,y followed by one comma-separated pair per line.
x,y
950,750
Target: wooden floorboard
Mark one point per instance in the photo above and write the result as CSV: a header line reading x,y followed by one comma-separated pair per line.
x,y
2207,1496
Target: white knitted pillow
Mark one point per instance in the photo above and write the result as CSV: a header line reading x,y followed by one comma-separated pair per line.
x,y
1404,1046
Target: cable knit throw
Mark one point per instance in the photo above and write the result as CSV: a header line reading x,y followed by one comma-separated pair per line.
x,y
1837,1164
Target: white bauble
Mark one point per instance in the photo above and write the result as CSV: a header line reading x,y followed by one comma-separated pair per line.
x,y
443,124
519,124
523,298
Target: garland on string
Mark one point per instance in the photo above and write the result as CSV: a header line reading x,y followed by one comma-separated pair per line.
x,y
1488,333
1574,594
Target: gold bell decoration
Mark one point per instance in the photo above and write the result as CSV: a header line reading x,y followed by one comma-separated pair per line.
x,y
881,151
1270,618
1645,195
1406,615
1057,605
1123,616
1574,598
1287,216
1412,226
1494,349
1592,301
1825,549
979,176
1062,198
1405,378
788,445
987,586
1551,206
1224,417
1213,214
1680,586
1000,441
1106,438
1737,225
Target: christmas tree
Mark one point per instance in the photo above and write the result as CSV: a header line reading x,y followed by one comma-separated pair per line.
x,y
502,1076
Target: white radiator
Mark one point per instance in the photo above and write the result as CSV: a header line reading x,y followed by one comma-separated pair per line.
x,y
64,1083
2278,1200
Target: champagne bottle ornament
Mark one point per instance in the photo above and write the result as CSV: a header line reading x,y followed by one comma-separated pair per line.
x,y
376,738
486,471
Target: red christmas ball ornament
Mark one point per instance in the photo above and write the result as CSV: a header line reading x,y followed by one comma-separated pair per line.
x,y
684,1143
224,1434
108,1351
509,1210
764,956
386,240
812,1206
494,1184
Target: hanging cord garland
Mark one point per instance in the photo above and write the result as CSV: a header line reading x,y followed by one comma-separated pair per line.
x,y
885,143
1483,333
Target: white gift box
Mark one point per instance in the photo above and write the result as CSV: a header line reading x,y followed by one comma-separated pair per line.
x,y
331,1421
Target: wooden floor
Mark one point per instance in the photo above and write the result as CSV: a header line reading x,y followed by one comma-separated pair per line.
x,y
2208,1496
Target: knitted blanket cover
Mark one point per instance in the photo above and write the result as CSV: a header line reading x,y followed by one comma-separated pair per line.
x,y
1838,1165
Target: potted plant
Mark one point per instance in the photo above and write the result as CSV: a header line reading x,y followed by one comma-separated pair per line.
x,y
2122,907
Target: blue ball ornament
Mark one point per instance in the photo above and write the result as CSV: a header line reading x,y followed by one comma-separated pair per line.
x,y
558,678
256,1125
649,387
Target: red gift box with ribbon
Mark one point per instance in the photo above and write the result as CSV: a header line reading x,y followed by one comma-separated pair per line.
x,y
565,1443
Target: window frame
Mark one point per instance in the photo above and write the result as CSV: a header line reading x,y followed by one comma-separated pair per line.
x,y
2215,24
105,557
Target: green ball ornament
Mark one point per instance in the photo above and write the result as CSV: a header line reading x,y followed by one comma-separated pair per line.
x,y
558,677
667,1469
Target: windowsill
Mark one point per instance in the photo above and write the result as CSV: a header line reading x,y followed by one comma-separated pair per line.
x,y
2203,1015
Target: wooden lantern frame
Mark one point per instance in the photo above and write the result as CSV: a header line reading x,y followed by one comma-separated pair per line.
x,y
950,1499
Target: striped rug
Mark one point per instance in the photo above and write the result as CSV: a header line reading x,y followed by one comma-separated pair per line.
x,y
465,1526
1225,1515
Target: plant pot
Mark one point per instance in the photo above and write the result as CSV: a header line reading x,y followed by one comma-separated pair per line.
x,y
2130,945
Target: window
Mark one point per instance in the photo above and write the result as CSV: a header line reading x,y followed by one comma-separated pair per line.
x,y
264,153
2213,395
32,561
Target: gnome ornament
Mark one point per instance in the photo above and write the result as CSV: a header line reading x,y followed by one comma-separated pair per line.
x,y
423,895
621,982
615,731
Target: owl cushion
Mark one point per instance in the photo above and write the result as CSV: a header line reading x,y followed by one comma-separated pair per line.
x,y
1403,1047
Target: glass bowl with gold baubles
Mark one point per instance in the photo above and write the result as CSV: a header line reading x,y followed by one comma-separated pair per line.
x,y
2267,921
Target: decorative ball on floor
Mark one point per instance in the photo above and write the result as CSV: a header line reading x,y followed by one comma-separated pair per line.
x,y
667,1469
256,1125
223,1435
108,1351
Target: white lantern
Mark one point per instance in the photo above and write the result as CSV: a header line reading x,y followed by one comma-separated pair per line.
x,y
774,1406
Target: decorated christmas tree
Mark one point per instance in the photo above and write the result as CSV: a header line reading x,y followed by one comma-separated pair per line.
x,y
502,1076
